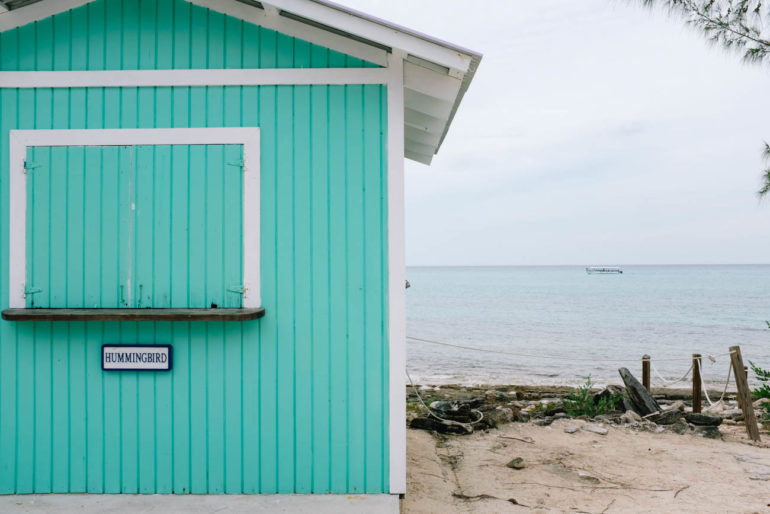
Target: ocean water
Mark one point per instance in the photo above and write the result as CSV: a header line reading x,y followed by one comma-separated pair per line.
x,y
574,324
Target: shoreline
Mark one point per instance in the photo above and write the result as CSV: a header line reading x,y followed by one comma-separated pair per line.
x,y
539,392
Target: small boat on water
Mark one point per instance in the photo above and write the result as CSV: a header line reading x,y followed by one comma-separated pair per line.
x,y
604,270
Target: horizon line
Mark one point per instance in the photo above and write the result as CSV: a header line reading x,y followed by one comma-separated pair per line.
x,y
579,265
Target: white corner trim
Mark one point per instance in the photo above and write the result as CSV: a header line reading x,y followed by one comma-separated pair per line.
x,y
270,19
37,11
396,275
160,78
20,140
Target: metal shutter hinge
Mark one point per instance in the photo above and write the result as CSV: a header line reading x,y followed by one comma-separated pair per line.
x,y
29,166
29,290
239,289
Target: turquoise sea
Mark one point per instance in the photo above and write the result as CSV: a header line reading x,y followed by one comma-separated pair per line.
x,y
668,312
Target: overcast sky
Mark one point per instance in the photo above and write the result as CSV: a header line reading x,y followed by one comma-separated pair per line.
x,y
595,132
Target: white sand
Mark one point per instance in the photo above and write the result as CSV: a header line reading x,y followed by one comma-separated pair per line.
x,y
623,471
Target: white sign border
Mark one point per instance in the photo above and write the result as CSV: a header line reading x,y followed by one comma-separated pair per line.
x,y
169,348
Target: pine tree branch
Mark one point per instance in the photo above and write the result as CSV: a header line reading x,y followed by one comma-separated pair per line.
x,y
722,25
765,178
766,186
731,23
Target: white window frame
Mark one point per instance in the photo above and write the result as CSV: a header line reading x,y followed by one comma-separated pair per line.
x,y
21,140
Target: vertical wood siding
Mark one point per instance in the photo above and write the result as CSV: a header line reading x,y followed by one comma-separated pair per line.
x,y
294,402
152,34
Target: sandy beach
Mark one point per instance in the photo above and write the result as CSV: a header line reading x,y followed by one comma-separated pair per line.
x,y
623,471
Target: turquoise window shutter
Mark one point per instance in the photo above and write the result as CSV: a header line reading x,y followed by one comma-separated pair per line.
x,y
135,226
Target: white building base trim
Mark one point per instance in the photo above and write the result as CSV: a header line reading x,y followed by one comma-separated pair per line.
x,y
193,504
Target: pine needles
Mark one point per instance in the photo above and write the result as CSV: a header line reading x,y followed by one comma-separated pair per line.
x,y
742,25
735,25
765,178
763,376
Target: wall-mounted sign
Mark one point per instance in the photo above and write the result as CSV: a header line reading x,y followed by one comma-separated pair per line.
x,y
136,357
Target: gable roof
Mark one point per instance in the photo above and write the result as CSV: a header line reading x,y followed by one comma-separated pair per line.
x,y
436,73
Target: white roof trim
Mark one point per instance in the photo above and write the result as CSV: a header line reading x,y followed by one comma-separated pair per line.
x,y
436,73
380,31
315,35
37,11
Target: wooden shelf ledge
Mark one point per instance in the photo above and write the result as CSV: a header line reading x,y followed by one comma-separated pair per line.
x,y
132,314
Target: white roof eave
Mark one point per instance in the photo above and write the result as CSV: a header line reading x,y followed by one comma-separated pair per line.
x,y
436,73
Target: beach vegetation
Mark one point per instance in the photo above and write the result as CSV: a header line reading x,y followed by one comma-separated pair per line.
x,y
413,407
583,403
763,377
539,409
764,416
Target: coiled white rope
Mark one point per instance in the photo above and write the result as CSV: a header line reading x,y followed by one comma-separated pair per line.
x,y
703,384
430,411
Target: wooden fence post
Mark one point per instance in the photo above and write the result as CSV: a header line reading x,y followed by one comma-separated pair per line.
x,y
696,383
741,382
738,396
646,371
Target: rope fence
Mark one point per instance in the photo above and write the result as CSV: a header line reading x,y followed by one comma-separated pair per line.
x,y
665,382
647,363
724,391
547,357
735,368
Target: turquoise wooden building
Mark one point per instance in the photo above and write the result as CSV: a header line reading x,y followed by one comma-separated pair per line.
x,y
219,182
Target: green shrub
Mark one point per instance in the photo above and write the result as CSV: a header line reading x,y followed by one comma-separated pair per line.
x,y
764,416
763,376
581,402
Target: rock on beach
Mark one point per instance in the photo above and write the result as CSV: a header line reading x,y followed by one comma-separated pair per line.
x,y
695,418
630,417
642,401
596,429
462,410
668,417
